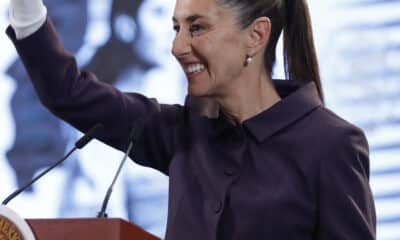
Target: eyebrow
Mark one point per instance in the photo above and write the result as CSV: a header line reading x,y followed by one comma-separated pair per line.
x,y
190,18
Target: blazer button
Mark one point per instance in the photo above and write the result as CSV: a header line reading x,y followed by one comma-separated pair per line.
x,y
218,207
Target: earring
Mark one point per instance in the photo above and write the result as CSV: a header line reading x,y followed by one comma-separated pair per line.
x,y
249,59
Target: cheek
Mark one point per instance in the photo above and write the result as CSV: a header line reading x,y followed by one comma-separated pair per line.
x,y
227,58
218,51
223,55
204,46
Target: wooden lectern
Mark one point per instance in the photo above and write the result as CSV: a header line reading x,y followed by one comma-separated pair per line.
x,y
84,229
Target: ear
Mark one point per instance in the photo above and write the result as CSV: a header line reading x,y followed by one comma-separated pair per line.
x,y
258,37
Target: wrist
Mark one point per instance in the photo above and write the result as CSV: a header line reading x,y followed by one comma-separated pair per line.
x,y
26,16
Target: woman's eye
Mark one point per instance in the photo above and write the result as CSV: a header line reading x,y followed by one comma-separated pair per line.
x,y
195,28
176,28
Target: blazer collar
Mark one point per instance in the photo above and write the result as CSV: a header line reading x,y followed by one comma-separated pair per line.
x,y
298,99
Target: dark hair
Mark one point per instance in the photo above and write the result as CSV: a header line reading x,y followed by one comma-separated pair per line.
x,y
293,18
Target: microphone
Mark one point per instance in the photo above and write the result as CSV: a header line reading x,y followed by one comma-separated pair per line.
x,y
78,145
133,136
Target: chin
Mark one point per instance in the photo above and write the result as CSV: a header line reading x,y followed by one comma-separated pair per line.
x,y
195,92
200,89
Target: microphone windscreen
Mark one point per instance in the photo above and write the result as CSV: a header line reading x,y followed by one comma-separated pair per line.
x,y
88,136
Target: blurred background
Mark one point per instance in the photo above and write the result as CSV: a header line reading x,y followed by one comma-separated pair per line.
x,y
127,44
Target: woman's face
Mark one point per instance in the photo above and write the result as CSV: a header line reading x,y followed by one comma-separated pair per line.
x,y
209,45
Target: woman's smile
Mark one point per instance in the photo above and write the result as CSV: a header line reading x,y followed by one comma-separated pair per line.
x,y
194,70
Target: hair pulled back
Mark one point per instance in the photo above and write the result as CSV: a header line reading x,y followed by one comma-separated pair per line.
x,y
293,18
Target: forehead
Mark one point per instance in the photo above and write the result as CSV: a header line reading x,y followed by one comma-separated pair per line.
x,y
186,8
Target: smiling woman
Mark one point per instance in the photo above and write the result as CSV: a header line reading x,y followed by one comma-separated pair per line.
x,y
259,168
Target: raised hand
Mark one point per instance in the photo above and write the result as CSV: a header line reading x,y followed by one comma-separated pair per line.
x,y
26,16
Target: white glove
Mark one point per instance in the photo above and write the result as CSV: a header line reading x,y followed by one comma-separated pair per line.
x,y
27,16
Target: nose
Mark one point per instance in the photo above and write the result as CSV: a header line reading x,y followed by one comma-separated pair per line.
x,y
181,45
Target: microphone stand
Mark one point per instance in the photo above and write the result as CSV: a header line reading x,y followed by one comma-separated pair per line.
x,y
18,191
78,145
102,213
133,136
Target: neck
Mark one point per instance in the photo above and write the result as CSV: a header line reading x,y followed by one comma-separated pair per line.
x,y
249,97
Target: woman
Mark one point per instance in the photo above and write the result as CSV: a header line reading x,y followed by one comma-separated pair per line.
x,y
273,164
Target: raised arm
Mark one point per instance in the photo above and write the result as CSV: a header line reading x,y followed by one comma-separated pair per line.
x,y
80,99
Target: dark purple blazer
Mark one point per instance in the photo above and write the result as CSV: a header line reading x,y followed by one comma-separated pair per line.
x,y
294,171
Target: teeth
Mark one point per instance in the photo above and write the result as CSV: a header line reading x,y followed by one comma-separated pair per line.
x,y
195,68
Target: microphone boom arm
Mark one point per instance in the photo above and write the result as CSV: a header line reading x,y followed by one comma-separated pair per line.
x,y
102,213
78,145
18,191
